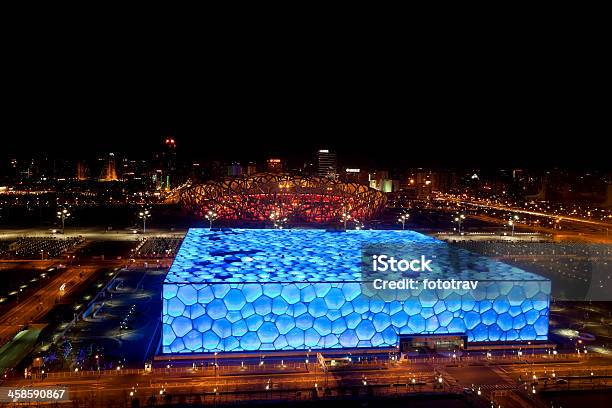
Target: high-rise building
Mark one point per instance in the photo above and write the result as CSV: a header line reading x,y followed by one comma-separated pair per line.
x,y
608,202
109,171
424,184
251,168
376,177
274,165
170,162
379,180
81,171
327,164
234,169
354,175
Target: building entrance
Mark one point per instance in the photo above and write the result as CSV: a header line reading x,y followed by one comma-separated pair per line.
x,y
412,342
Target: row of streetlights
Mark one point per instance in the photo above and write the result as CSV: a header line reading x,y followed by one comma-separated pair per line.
x,y
144,214
346,217
280,221
460,218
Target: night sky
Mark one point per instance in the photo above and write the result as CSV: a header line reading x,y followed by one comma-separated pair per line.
x,y
244,116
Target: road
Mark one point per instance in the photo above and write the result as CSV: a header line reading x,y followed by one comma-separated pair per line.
x,y
570,232
236,386
91,234
494,380
573,227
530,212
42,300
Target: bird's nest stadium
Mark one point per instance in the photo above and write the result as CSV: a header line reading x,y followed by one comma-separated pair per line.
x,y
298,198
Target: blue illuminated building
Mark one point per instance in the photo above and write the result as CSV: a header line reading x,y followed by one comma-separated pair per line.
x,y
255,289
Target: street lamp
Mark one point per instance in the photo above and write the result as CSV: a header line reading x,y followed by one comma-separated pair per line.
x,y
63,214
345,217
144,214
278,221
511,223
211,216
402,219
459,220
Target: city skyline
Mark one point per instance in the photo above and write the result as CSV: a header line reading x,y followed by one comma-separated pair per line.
x,y
389,154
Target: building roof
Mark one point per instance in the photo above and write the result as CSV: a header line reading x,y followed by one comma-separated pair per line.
x,y
316,255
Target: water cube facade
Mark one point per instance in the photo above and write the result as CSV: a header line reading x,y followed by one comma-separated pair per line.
x,y
248,290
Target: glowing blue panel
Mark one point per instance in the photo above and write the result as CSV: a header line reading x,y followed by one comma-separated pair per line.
x,y
248,290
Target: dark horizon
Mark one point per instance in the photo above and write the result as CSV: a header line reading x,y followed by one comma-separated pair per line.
x,y
372,152
461,127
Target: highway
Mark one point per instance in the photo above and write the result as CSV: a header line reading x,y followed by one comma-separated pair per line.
x,y
235,386
570,232
574,228
499,380
91,234
529,212
42,300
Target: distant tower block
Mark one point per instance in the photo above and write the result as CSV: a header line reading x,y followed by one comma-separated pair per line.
x,y
109,173
327,165
274,165
169,157
81,171
608,202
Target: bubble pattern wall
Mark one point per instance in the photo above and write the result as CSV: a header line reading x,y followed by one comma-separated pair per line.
x,y
297,316
288,315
